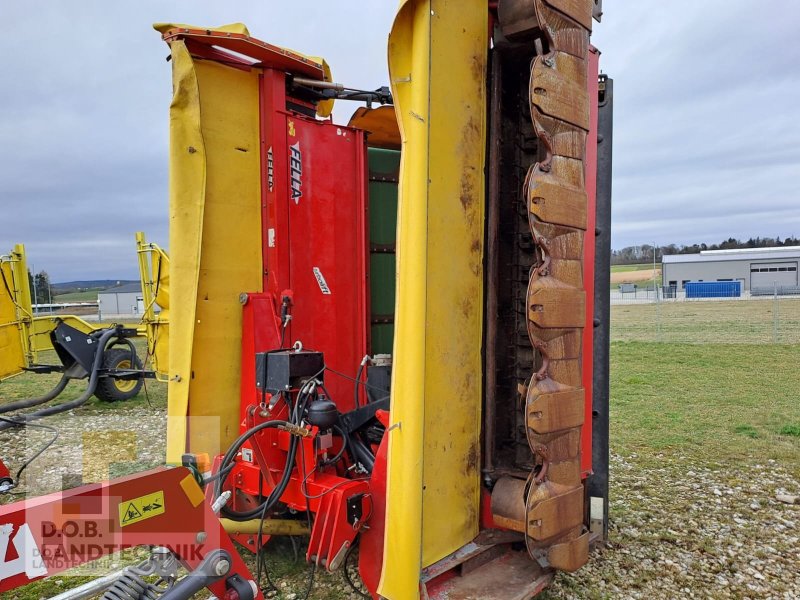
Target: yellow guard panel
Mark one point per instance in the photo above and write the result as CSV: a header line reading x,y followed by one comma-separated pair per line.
x,y
154,277
437,63
15,313
215,246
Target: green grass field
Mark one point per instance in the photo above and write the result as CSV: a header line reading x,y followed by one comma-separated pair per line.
x,y
716,400
646,284
760,321
714,403
705,378
629,268
86,296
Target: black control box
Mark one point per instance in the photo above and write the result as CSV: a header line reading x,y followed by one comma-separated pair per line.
x,y
283,370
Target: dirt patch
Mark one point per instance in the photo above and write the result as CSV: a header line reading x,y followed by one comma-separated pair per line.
x,y
636,276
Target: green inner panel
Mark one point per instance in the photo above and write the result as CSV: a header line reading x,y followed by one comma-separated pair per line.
x,y
384,166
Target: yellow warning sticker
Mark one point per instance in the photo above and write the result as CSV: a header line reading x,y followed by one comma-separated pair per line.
x,y
141,508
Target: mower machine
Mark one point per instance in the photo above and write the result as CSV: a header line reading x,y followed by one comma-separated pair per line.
x,y
390,335
105,356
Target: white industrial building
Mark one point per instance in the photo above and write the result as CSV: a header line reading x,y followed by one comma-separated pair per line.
x,y
123,299
758,269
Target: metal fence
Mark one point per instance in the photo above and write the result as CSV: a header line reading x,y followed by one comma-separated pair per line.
x,y
667,315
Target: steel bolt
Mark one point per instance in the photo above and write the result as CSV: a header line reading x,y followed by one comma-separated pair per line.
x,y
222,567
201,537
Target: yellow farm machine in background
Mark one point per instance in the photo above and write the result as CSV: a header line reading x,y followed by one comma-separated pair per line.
x,y
84,350
154,277
390,334
118,372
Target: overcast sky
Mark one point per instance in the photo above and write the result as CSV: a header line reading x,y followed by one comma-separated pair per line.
x,y
706,138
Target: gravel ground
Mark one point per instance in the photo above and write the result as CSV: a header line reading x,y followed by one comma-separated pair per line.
x,y
85,441
680,528
684,530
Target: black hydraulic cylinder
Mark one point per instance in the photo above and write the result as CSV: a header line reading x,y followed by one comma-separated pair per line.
x,y
215,566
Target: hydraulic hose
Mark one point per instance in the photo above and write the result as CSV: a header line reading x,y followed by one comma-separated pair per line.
x,y
279,489
342,450
31,402
59,408
361,453
274,496
295,417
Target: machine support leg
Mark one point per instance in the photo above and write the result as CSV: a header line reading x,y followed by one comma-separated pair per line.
x,y
492,279
598,482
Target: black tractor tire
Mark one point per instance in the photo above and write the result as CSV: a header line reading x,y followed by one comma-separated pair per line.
x,y
115,390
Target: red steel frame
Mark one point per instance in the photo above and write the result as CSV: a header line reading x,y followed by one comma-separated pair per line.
x,y
590,177
47,535
320,234
315,254
315,258
5,475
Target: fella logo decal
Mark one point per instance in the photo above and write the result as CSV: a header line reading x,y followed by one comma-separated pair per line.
x,y
323,285
296,171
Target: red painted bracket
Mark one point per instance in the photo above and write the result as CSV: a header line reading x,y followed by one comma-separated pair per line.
x,y
46,535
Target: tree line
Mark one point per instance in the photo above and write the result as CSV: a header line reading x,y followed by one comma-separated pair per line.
x,y
644,253
41,290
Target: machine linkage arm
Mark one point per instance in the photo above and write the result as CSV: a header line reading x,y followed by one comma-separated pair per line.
x,y
163,507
